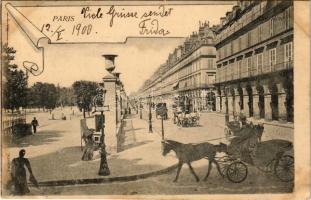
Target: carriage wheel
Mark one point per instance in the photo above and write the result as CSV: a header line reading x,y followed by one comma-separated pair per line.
x,y
237,172
284,168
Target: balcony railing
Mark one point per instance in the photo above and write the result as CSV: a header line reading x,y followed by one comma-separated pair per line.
x,y
220,77
196,86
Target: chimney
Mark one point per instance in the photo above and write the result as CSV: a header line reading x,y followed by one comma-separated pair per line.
x,y
222,20
235,8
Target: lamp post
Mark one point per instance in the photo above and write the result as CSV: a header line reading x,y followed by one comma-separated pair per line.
x,y
226,103
140,109
150,114
99,103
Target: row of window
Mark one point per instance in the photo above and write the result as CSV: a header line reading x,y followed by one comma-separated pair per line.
x,y
275,25
195,66
204,63
277,58
194,80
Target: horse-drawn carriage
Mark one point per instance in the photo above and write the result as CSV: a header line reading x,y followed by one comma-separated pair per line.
x,y
188,120
244,148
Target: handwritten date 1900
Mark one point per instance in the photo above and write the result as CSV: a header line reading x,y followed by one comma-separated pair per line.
x,y
80,29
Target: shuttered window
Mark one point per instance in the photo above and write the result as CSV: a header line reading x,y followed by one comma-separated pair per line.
x,y
239,68
287,18
259,63
271,26
288,49
272,58
249,65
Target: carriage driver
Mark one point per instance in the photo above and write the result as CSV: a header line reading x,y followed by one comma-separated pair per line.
x,y
242,118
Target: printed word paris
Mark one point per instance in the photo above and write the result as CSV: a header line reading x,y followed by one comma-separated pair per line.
x,y
151,27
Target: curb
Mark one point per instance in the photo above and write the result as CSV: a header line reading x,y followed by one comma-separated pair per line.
x,y
105,180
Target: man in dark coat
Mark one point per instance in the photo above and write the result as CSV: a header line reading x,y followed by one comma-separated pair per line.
x,y
34,124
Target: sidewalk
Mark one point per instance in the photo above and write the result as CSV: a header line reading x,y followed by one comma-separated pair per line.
x,y
273,129
141,158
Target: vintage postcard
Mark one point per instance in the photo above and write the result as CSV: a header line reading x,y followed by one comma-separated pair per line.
x,y
155,99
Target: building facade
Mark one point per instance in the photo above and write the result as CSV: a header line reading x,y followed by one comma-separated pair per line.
x,y
188,75
254,45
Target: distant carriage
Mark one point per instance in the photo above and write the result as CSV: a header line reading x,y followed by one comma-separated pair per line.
x,y
188,120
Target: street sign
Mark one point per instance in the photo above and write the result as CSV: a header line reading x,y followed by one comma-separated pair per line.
x,y
101,109
162,111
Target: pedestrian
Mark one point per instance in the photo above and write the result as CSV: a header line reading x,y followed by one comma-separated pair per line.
x,y
18,174
89,148
242,118
34,124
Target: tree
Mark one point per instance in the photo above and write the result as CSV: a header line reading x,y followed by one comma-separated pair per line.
x,y
51,96
66,96
15,81
84,91
44,95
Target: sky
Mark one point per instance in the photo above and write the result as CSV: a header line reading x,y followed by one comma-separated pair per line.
x,y
137,59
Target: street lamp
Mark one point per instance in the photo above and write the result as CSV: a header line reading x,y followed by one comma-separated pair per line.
x,y
150,114
99,103
226,103
140,109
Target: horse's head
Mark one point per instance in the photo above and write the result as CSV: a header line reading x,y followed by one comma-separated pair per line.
x,y
222,147
259,128
166,147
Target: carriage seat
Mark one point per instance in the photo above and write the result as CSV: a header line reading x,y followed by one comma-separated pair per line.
x,y
86,132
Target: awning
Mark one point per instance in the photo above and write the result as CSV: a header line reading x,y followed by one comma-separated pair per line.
x,y
175,86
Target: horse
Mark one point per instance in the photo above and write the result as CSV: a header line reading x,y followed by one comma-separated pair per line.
x,y
186,153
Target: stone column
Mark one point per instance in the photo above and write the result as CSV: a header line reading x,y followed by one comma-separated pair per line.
x,y
245,99
281,103
218,97
111,115
255,106
119,105
223,101
235,102
255,103
218,103
268,110
230,108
